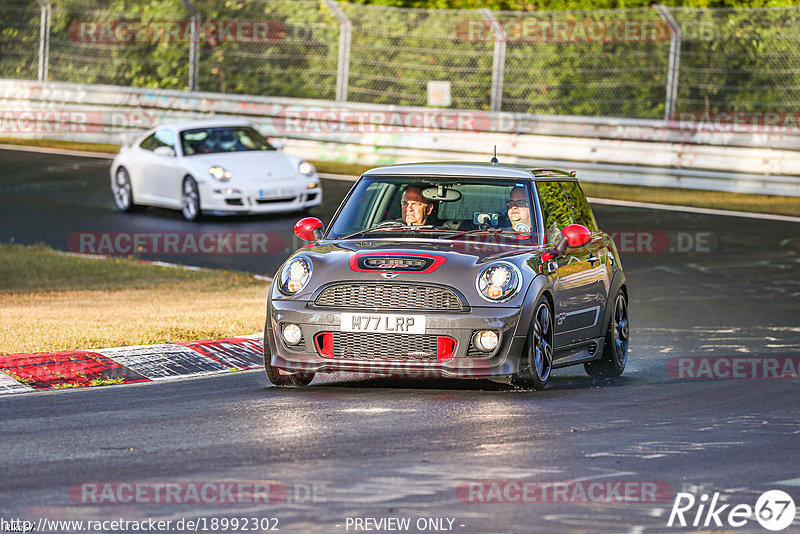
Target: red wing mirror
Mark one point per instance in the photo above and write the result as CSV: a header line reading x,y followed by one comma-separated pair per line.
x,y
308,229
576,234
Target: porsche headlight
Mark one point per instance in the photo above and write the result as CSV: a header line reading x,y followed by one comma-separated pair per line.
x,y
219,173
498,281
306,168
295,275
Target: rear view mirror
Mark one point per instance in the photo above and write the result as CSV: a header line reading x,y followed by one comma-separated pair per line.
x,y
441,194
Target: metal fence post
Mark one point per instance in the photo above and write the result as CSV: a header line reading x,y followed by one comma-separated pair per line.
x,y
498,61
343,71
194,45
674,59
44,39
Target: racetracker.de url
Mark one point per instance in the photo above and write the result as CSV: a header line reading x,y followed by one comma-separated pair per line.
x,y
196,524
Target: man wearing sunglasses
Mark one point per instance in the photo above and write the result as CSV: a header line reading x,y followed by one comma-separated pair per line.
x,y
519,210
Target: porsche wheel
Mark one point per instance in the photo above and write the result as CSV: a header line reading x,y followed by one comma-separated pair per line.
x,y
615,352
122,190
537,357
190,200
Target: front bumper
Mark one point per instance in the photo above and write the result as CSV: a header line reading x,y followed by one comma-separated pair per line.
x,y
250,200
466,361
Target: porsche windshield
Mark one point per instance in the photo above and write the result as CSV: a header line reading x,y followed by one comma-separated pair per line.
x,y
222,139
437,208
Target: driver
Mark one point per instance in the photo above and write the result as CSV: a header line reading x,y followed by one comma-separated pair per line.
x,y
519,210
415,208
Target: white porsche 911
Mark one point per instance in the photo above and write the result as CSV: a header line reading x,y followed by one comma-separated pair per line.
x,y
211,167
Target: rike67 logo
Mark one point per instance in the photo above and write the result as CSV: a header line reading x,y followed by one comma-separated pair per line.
x,y
774,510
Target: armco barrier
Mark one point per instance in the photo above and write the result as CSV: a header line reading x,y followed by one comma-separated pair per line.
x,y
624,151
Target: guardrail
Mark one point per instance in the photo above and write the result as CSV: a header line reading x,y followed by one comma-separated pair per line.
x,y
694,154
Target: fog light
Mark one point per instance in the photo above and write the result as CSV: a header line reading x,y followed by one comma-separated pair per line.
x,y
228,191
292,334
485,340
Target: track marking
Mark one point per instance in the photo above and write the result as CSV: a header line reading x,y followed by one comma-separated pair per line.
x,y
690,209
791,482
343,177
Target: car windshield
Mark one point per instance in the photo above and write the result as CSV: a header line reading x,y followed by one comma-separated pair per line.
x,y
222,139
438,208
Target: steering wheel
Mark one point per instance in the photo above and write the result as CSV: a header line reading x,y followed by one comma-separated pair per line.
x,y
386,224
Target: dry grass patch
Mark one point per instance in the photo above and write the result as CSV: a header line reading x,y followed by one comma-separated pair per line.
x,y
50,301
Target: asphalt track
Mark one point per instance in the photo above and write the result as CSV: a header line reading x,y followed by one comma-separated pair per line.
x,y
403,449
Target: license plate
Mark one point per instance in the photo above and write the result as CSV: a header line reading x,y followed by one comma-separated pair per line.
x,y
383,323
271,193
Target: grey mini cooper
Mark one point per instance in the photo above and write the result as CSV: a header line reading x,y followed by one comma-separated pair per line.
x,y
461,270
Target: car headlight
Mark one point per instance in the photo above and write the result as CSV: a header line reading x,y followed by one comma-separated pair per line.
x,y
295,275
219,173
307,168
498,281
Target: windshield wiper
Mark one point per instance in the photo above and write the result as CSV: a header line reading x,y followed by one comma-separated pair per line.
x,y
387,228
476,231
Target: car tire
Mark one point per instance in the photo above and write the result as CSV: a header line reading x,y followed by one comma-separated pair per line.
x,y
615,352
190,200
536,363
282,378
122,190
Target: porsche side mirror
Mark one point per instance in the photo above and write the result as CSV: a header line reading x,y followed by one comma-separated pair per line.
x,y
308,229
164,151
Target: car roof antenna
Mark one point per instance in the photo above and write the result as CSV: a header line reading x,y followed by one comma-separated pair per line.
x,y
494,158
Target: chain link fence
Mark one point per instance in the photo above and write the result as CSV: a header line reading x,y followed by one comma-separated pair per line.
x,y
647,63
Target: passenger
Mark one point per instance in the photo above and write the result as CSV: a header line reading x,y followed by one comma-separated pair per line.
x,y
519,211
415,208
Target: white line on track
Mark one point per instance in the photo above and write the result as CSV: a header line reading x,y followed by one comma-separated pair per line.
x,y
347,178
690,209
646,205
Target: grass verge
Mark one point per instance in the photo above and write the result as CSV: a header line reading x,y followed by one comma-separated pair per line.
x,y
51,301
772,204
64,145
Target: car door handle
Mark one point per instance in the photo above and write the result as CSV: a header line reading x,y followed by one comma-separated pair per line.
x,y
592,259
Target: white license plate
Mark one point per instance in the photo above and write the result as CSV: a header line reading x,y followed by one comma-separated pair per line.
x,y
383,323
273,193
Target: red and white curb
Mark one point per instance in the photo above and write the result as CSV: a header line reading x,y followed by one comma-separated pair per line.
x,y
21,373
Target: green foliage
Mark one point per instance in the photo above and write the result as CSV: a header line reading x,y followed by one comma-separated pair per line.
x,y
745,59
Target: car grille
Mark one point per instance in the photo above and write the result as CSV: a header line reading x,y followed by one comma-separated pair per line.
x,y
275,200
389,297
372,346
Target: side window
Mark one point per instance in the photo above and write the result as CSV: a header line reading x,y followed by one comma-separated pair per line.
x,y
580,206
555,208
160,138
149,143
